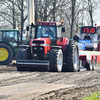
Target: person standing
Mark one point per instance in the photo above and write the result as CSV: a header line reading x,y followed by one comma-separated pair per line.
x,y
87,37
76,38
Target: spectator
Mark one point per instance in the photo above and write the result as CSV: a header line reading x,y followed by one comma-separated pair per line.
x,y
76,38
87,37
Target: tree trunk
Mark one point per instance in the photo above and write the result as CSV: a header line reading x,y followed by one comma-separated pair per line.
x,y
72,22
14,21
54,8
22,19
45,15
90,11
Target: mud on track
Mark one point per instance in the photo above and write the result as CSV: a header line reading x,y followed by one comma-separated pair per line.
x,y
16,85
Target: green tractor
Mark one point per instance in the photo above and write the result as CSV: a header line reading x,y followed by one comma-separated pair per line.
x,y
9,43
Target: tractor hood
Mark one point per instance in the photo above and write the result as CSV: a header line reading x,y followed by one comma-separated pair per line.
x,y
41,41
40,45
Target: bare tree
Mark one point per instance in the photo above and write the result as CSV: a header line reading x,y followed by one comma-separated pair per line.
x,y
14,12
72,12
47,10
92,6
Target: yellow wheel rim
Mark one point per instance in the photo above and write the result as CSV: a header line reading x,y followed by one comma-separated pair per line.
x,y
3,54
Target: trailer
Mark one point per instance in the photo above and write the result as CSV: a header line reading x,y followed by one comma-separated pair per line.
x,y
89,49
89,59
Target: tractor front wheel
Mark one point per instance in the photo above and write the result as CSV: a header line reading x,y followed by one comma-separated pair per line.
x,y
56,60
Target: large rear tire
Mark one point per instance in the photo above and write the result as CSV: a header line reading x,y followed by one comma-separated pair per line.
x,y
72,57
56,60
21,55
6,54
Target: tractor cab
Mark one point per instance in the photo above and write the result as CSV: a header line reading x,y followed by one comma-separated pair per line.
x,y
50,30
87,38
10,36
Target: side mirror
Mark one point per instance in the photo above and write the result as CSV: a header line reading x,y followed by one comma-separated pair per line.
x,y
32,25
27,28
63,29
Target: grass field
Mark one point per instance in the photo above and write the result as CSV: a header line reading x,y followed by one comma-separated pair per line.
x,y
95,96
98,64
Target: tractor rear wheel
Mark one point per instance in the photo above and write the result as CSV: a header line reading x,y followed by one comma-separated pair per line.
x,y
6,54
72,57
21,55
24,54
56,60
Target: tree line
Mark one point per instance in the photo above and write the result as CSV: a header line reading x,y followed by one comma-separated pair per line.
x,y
13,13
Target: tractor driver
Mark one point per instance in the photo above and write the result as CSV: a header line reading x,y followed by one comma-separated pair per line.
x,y
87,37
49,32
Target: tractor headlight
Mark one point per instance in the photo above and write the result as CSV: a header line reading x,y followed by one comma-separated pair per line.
x,y
41,48
33,44
42,44
35,48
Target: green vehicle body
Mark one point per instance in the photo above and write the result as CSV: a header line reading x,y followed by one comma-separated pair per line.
x,y
11,38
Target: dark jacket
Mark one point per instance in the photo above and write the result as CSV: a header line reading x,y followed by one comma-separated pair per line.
x,y
76,38
87,38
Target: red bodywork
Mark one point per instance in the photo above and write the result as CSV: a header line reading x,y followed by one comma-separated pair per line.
x,y
47,43
62,42
48,23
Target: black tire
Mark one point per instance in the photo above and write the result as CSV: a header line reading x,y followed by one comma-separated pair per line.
x,y
72,57
88,66
6,54
56,60
94,64
21,55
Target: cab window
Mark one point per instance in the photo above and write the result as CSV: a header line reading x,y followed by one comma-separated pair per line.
x,y
10,36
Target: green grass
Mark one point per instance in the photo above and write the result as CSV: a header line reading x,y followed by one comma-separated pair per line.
x,y
95,96
98,64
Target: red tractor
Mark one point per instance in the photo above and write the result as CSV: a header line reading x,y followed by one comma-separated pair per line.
x,y
49,50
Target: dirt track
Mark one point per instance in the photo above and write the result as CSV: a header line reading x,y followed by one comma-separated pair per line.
x,y
47,85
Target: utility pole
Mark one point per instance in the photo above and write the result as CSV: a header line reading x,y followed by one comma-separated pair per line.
x,y
31,16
